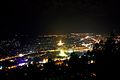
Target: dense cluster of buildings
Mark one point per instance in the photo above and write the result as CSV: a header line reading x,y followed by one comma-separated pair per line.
x,y
43,47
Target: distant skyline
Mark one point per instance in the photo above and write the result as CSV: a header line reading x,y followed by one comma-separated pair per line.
x,y
59,16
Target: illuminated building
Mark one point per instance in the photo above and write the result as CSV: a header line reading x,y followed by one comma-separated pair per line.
x,y
60,43
62,53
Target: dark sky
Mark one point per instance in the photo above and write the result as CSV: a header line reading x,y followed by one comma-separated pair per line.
x,y
58,16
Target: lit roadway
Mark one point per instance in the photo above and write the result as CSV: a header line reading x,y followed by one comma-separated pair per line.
x,y
59,44
12,57
44,53
8,58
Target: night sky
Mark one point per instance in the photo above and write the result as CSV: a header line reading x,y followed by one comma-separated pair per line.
x,y
58,16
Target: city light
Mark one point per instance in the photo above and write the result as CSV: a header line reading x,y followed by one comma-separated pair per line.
x,y
12,67
62,53
44,61
11,60
31,62
92,61
59,39
1,67
70,51
22,64
20,55
60,43
58,52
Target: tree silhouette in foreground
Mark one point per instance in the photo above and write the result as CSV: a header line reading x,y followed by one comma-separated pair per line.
x,y
107,58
